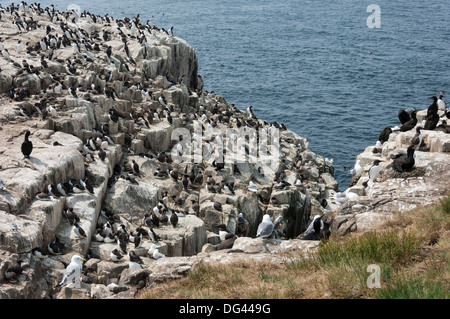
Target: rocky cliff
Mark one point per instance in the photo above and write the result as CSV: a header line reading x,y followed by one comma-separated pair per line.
x,y
366,205
106,101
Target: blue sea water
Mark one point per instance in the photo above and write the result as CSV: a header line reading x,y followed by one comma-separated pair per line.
x,y
314,65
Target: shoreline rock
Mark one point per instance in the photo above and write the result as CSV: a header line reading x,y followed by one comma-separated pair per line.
x,y
393,192
113,103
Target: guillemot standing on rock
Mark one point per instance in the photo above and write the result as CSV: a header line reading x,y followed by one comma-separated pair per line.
x,y
79,231
442,106
115,255
374,171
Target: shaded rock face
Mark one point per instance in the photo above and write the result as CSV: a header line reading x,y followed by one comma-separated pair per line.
x,y
106,135
397,192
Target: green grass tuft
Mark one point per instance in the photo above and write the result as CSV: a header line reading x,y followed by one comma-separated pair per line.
x,y
388,247
415,288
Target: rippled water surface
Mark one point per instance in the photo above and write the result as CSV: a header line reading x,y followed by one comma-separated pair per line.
x,y
313,65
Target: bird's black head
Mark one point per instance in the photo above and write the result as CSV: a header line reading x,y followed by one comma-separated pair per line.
x,y
434,98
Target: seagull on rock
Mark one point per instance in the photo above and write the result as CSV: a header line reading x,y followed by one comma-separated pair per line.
x,y
343,197
265,228
252,187
157,254
75,265
356,170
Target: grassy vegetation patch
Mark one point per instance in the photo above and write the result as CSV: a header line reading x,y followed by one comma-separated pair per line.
x,y
407,258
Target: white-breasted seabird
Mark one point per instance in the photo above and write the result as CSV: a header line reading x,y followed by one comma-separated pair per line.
x,y
79,231
19,47
99,235
442,106
76,264
157,255
115,255
252,187
265,228
374,171
356,170
55,247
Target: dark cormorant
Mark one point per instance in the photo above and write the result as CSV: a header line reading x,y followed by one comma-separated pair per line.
x,y
404,162
433,108
417,139
384,135
136,167
410,124
174,219
404,116
27,145
431,122
444,127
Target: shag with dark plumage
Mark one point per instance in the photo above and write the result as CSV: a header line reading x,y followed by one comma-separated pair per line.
x,y
410,124
403,116
404,162
27,145
417,139
431,122
433,108
384,135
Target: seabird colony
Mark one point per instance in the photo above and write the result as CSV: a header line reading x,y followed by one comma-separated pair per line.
x,y
61,47
402,162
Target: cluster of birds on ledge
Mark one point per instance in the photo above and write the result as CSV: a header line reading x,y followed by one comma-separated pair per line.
x,y
402,162
25,18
